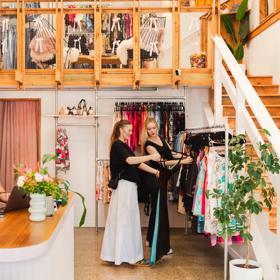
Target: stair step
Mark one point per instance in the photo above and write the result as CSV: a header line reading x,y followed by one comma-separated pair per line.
x,y
267,99
263,89
257,80
260,79
232,121
229,110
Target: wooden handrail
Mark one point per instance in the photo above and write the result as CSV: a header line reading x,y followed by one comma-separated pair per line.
x,y
249,93
264,25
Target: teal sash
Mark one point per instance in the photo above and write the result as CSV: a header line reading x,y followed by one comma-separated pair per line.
x,y
153,253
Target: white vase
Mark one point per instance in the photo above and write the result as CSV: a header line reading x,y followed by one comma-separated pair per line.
x,y
240,273
49,206
37,207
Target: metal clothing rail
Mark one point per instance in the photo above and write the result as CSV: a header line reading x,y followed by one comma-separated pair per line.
x,y
135,98
205,127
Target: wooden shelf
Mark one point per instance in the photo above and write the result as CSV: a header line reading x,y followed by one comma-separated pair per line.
x,y
78,116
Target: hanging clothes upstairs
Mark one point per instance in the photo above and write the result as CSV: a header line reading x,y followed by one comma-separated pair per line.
x,y
62,150
8,39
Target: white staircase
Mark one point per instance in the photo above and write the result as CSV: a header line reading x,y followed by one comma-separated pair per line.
x,y
243,96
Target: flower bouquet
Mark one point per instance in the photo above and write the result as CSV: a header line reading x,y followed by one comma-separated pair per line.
x,y
38,181
198,60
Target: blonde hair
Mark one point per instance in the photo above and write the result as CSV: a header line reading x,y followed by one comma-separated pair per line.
x,y
116,130
144,133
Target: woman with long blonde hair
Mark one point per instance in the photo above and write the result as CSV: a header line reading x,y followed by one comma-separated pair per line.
x,y
158,237
122,240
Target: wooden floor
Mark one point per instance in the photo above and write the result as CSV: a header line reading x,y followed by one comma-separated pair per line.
x,y
193,259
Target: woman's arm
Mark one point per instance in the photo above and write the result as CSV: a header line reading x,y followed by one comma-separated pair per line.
x,y
184,160
174,154
149,169
142,159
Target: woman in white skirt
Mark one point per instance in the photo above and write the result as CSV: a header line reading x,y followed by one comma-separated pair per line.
x,y
122,240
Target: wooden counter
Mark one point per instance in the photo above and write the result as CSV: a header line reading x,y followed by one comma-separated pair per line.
x,y
17,231
37,250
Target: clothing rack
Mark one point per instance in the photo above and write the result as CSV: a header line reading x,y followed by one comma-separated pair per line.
x,y
205,127
225,127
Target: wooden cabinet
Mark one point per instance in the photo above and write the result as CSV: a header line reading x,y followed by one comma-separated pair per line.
x,y
60,44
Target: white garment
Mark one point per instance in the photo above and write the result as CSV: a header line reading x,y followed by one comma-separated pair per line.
x,y
122,240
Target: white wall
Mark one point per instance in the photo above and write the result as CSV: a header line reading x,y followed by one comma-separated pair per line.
x,y
263,56
82,139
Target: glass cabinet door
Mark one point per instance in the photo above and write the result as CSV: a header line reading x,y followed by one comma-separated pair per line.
x,y
40,39
8,35
156,40
78,41
117,40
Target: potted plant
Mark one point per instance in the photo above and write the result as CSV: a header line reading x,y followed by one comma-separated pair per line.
x,y
239,34
241,201
38,184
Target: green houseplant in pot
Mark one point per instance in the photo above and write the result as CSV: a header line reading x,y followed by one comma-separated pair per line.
x,y
239,32
38,184
243,200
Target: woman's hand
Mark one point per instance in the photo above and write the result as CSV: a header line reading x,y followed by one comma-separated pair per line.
x,y
157,173
187,160
155,157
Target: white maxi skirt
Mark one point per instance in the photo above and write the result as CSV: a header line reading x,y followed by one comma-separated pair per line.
x,y
122,240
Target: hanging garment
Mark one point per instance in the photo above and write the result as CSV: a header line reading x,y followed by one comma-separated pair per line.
x,y
198,197
8,45
42,46
62,150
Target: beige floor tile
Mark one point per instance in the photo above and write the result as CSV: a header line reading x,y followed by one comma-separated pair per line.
x,y
193,259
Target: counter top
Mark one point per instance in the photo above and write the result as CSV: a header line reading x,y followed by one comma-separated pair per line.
x,y
21,238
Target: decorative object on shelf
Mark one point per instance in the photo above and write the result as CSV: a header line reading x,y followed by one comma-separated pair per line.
x,y
239,37
90,111
38,183
37,207
82,108
240,202
63,111
198,60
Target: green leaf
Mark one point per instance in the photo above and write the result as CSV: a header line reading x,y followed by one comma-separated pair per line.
x,y
230,48
83,217
229,27
266,132
244,29
239,52
47,158
242,10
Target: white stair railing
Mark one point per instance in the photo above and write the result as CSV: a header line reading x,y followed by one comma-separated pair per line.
x,y
239,93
